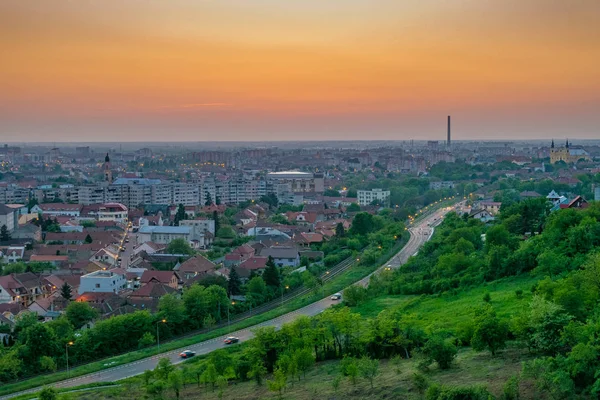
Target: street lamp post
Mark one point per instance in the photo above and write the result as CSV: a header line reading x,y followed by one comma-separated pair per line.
x,y
164,321
228,319
67,351
286,287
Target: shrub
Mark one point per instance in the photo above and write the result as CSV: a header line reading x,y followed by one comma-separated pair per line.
x,y
441,351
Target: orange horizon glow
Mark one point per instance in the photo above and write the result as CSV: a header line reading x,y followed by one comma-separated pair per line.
x,y
235,68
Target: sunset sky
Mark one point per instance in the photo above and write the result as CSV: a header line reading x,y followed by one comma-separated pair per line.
x,y
150,70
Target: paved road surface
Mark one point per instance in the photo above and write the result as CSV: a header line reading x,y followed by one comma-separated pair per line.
x,y
420,233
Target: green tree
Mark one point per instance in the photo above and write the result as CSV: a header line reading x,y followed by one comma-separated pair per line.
x,y
353,208
88,239
278,383
215,217
234,283
47,364
180,246
180,215
171,308
4,234
222,384
368,369
146,340
490,332
11,366
339,230
304,360
48,393
441,351
349,368
80,313
207,199
210,375
163,369
175,382
65,291
256,290
271,274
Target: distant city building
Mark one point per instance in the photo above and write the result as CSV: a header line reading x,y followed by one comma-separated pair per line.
x,y
567,154
366,197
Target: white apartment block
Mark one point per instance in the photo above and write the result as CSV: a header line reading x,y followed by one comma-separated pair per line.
x,y
163,234
111,281
366,197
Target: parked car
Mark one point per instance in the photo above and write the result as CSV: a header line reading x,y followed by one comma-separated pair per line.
x,y
336,296
187,354
127,240
231,340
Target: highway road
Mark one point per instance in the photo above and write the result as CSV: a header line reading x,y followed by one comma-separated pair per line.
x,y
420,231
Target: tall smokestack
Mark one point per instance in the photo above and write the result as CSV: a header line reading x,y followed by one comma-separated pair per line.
x,y
449,142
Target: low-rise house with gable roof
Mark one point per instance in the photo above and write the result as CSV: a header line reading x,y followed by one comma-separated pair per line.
x,y
193,267
283,256
169,278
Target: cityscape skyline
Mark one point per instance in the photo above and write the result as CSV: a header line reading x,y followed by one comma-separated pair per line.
x,y
189,71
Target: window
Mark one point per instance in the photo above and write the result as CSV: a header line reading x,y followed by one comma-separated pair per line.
x,y
97,286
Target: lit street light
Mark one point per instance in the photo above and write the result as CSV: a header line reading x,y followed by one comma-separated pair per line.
x,y
67,351
164,321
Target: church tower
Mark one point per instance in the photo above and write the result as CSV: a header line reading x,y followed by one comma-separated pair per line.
x,y
106,169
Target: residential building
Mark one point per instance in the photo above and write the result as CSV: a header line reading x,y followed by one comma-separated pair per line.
x,y
195,266
366,197
110,281
9,217
163,234
282,256
169,278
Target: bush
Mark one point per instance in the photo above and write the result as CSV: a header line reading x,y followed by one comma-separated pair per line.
x,y
487,298
437,392
510,391
519,293
441,351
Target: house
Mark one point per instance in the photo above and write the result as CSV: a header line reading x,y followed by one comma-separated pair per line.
x,y
56,261
20,288
163,234
254,263
169,278
11,254
110,281
108,255
238,255
482,215
305,239
529,194
195,266
148,296
283,256
577,202
149,248
302,218
493,207
9,217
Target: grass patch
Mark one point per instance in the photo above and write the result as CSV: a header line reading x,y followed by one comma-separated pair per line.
x,y
447,311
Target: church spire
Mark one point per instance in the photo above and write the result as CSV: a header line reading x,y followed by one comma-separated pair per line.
x,y
552,145
107,158
567,146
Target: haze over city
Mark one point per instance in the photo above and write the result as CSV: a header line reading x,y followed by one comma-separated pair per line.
x,y
235,70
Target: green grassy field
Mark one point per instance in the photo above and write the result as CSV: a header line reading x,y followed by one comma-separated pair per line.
x,y
447,311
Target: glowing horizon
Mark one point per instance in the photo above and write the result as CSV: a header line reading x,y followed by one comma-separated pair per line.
x,y
355,69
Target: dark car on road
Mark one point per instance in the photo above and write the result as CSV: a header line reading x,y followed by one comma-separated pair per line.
x,y
231,340
187,354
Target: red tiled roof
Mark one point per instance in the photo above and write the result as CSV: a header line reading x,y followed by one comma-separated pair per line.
x,y
160,276
255,262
